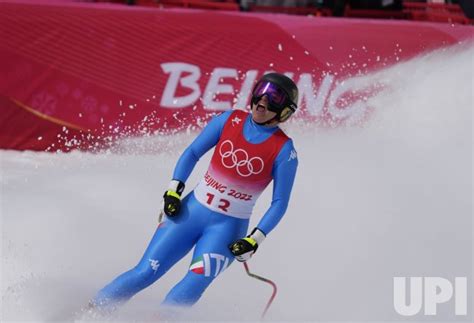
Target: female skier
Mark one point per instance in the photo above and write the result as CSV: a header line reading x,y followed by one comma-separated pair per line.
x,y
251,151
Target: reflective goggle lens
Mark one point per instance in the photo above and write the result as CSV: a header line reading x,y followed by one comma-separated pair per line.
x,y
272,91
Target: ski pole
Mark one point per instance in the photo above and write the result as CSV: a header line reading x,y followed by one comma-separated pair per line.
x,y
274,286
162,213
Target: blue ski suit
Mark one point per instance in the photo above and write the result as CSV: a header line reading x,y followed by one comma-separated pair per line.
x,y
209,231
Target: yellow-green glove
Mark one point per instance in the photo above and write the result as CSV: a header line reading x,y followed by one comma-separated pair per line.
x,y
172,198
244,248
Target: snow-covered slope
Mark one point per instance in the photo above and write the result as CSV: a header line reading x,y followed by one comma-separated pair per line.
x,y
391,198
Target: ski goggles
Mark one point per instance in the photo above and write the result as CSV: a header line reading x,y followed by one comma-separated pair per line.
x,y
277,97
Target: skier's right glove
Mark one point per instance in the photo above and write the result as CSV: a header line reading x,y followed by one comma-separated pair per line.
x,y
172,198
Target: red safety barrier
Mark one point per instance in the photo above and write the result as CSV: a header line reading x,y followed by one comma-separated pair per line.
x,y
306,11
199,4
80,75
375,14
418,11
435,12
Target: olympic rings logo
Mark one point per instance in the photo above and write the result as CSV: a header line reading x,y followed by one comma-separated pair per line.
x,y
239,159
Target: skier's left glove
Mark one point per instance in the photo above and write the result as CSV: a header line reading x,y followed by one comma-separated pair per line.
x,y
172,198
244,248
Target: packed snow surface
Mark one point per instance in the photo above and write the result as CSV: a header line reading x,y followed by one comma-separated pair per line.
x,y
392,197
